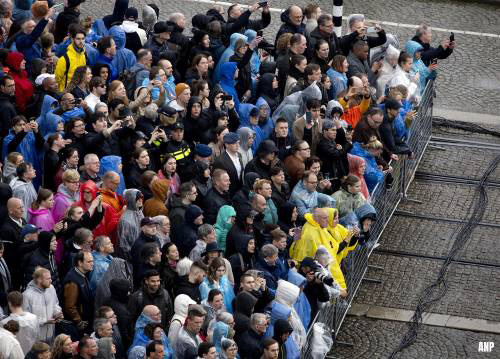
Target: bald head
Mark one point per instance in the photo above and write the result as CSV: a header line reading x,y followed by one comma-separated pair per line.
x,y
111,181
320,215
151,310
295,15
356,81
15,208
259,203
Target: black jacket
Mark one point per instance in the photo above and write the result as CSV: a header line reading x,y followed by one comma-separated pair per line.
x,y
176,215
213,201
7,113
140,298
280,197
133,175
226,163
244,304
85,299
315,293
189,231
389,138
64,19
184,286
120,289
259,167
50,165
430,52
334,161
250,344
373,41
135,251
242,260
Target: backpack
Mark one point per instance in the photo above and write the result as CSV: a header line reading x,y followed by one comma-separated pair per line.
x,y
129,78
66,58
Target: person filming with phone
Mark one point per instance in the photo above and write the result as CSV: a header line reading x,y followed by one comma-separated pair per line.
x,y
424,37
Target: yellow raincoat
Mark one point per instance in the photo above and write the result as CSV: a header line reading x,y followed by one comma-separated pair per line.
x,y
338,233
311,238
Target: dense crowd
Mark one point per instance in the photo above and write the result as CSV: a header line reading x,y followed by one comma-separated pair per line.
x,y
175,196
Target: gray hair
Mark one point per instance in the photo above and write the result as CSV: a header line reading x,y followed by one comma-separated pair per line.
x,y
256,319
99,105
422,29
88,157
225,317
81,234
268,250
159,219
205,229
183,266
100,242
98,323
176,16
355,18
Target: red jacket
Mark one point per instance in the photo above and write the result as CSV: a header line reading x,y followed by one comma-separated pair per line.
x,y
24,87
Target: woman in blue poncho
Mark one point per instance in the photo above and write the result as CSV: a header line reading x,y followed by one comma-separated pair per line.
x,y
228,76
217,279
113,163
228,52
280,311
301,306
373,174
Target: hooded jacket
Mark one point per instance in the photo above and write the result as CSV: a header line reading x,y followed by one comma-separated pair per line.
x,y
24,87
266,92
347,202
24,191
124,58
228,52
181,304
429,52
419,67
142,340
280,311
239,229
244,304
311,238
197,129
223,225
301,306
187,241
141,298
132,28
224,286
156,206
63,199
288,294
129,227
118,269
41,218
306,201
227,81
212,202
120,290
373,175
76,59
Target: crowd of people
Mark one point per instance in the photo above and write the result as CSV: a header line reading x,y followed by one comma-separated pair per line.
x,y
174,195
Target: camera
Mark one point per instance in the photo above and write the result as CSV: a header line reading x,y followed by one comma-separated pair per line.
x,y
325,279
263,4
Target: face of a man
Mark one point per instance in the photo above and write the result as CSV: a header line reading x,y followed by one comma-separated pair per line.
x,y
45,281
224,182
91,348
311,182
195,324
212,354
150,230
153,283
281,129
10,88
79,41
375,120
272,351
106,330
88,262
248,284
218,302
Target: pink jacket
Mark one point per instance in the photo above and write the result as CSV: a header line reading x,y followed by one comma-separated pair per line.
x,y
63,199
41,218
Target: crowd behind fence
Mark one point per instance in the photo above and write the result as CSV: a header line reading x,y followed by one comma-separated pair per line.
x,y
385,200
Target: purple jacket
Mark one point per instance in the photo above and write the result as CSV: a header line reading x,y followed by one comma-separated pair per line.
x,y
42,218
62,200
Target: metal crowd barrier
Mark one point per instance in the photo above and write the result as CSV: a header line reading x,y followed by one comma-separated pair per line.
x,y
385,202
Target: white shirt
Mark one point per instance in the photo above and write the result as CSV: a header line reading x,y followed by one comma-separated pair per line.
x,y
28,329
236,162
9,346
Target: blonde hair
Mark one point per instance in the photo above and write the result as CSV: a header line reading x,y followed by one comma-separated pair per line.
x,y
259,184
373,144
71,176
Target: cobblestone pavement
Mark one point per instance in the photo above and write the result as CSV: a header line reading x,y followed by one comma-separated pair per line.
x,y
468,81
375,339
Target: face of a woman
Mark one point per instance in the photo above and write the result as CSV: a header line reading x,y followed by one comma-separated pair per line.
x,y
68,346
22,66
73,159
173,253
79,128
49,202
302,66
157,334
323,51
275,83
88,76
104,73
171,166
120,91
202,66
336,219
406,66
362,168
206,91
221,136
73,186
231,352
315,168
196,110
242,50
250,141
266,190
327,84
18,127
53,244
205,42
294,214
251,246
147,99
143,159
77,214
220,272
355,188
345,66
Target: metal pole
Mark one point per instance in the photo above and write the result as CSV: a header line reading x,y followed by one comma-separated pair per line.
x,y
337,16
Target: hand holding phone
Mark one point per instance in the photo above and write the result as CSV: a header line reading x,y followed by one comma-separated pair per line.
x,y
452,37
262,4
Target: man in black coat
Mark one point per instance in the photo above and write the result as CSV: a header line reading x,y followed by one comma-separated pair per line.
x,y
332,155
250,342
424,38
298,45
7,104
11,233
120,291
386,130
151,293
70,15
148,235
217,196
230,161
264,160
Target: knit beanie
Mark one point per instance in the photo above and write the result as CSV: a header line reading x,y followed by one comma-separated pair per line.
x,y
180,88
39,9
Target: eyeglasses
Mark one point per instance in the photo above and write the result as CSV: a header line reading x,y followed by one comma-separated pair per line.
x,y
305,149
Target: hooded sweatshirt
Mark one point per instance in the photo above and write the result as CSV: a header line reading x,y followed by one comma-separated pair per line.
x,y
124,58
156,206
63,199
227,81
24,87
223,225
24,191
129,226
181,304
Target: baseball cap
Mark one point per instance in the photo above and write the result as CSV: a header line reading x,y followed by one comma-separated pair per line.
x,y
28,229
147,221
